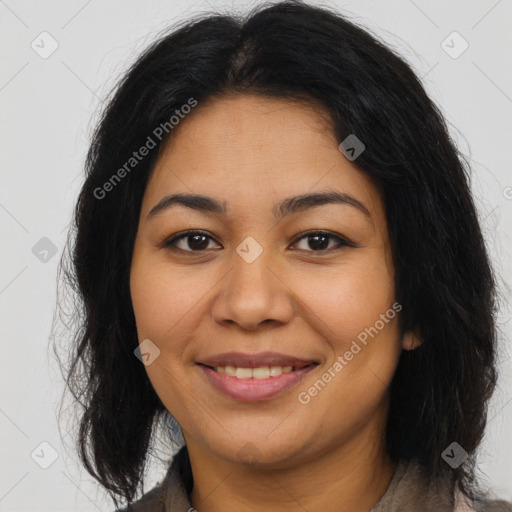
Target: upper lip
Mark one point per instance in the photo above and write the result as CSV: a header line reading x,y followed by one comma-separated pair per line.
x,y
257,360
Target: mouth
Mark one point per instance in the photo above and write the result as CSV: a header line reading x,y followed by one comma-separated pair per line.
x,y
255,384
260,372
255,361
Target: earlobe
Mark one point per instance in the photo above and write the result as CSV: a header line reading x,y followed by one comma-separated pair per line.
x,y
410,341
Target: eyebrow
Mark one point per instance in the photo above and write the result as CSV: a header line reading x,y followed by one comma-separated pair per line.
x,y
286,207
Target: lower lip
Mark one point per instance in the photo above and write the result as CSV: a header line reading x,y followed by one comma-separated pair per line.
x,y
254,389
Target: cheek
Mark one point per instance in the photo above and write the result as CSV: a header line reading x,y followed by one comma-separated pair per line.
x,y
164,296
350,300
357,316
170,304
354,309
165,303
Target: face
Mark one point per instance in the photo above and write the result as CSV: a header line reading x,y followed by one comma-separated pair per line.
x,y
247,272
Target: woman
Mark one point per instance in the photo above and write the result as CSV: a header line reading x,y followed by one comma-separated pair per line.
x,y
278,257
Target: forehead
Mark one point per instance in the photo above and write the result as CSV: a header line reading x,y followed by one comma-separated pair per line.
x,y
242,128
248,148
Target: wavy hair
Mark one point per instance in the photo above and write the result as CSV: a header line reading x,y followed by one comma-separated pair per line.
x,y
444,279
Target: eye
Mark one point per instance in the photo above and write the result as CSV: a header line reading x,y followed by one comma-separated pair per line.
x,y
197,241
319,241
191,241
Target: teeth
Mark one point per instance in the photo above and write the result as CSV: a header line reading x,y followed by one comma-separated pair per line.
x,y
243,373
264,372
261,373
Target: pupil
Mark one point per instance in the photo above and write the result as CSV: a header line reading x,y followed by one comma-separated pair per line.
x,y
199,246
322,245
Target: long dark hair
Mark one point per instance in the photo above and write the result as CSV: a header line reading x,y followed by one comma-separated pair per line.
x,y
444,280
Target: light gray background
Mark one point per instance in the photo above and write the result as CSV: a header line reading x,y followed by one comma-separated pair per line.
x,y
48,109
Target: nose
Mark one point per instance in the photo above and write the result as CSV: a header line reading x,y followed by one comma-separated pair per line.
x,y
254,293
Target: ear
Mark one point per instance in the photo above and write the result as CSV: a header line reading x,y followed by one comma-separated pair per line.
x,y
411,340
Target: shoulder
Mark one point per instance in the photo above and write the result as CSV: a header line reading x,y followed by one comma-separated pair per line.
x,y
462,504
152,501
411,488
488,506
499,506
171,494
492,506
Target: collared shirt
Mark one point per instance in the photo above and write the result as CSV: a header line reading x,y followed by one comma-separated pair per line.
x,y
408,491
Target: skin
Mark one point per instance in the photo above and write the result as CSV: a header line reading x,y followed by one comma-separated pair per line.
x,y
252,152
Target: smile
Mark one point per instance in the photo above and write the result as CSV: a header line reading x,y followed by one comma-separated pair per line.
x,y
252,384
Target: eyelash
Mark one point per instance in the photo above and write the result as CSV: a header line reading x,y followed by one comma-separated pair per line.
x,y
169,244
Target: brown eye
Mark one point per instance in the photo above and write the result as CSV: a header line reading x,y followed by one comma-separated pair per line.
x,y
318,241
190,241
